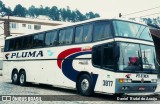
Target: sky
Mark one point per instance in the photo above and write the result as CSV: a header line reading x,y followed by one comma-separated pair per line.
x,y
106,8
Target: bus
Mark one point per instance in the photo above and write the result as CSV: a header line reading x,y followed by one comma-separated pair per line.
x,y
112,56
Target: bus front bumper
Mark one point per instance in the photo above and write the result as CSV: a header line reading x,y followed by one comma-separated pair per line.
x,y
135,87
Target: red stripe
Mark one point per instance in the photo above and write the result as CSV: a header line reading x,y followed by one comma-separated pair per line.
x,y
66,53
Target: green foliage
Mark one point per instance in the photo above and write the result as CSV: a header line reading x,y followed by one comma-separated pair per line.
x,y
62,14
19,11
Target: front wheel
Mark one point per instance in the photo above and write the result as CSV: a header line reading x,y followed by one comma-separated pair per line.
x,y
84,85
22,78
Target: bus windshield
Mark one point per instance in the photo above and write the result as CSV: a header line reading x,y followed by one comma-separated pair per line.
x,y
131,30
136,58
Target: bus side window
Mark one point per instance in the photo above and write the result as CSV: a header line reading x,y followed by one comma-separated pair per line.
x,y
103,56
62,37
66,36
6,45
96,56
87,33
38,40
78,34
108,56
18,43
102,30
11,45
51,38
69,35
27,43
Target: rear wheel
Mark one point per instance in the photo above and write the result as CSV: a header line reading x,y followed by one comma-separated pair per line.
x,y
15,77
84,85
22,78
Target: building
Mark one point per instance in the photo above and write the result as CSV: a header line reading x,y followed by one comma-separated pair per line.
x,y
12,26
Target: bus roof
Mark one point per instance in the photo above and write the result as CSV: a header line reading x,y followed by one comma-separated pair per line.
x,y
77,23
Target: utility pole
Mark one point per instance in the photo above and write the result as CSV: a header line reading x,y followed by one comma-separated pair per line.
x,y
7,27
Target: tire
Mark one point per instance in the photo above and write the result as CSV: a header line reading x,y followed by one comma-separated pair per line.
x,y
22,78
84,85
15,77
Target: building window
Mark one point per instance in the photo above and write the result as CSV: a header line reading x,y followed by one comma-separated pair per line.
x,y
37,27
23,25
29,27
14,25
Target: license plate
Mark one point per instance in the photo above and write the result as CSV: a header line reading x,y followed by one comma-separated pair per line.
x,y
141,88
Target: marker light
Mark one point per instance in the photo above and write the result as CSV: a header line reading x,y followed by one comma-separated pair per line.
x,y
121,80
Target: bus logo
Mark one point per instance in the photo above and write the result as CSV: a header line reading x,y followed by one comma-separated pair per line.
x,y
50,53
6,56
128,75
142,80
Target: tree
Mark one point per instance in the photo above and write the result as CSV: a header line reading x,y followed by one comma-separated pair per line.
x,y
54,13
2,9
19,11
79,16
63,14
33,11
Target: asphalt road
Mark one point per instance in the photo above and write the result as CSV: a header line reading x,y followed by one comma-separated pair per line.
x,y
39,94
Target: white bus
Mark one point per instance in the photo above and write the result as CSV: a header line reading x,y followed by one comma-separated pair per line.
x,y
100,55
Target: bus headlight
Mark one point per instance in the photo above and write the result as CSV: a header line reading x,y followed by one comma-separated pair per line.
x,y
154,80
122,80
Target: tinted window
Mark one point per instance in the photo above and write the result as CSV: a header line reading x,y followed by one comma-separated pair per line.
x,y
65,36
69,35
83,33
62,37
79,34
102,30
18,43
51,38
27,43
108,59
11,44
96,56
103,56
38,40
87,33
7,45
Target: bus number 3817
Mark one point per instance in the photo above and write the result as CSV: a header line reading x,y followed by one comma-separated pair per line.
x,y
107,83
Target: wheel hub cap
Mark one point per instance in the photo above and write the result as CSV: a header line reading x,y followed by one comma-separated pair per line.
x,y
84,84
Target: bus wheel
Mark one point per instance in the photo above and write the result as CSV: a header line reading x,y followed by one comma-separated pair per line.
x,y
22,78
84,85
15,77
